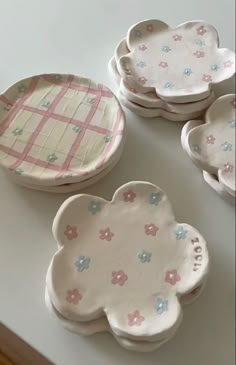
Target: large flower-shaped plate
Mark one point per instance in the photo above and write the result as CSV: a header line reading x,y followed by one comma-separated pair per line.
x,y
180,64
127,260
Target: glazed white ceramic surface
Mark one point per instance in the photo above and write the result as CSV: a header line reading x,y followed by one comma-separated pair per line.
x,y
174,254
57,129
150,99
180,64
75,187
153,113
102,325
212,144
219,188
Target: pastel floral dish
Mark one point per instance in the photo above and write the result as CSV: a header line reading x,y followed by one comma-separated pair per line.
x,y
150,99
211,145
133,238
59,129
155,62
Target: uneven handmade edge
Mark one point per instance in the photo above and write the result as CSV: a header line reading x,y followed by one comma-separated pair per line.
x,y
195,42
112,250
212,144
57,128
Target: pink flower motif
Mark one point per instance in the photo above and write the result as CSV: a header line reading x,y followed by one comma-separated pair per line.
x,y
207,78
151,229
119,277
177,37
228,64
199,54
201,30
129,196
142,80
135,319
210,139
73,296
71,232
172,277
163,64
106,234
228,167
150,28
233,103
142,48
133,90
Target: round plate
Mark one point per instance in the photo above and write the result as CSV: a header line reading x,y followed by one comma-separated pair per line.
x,y
59,127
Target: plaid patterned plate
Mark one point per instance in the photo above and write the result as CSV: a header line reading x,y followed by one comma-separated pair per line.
x,y
57,129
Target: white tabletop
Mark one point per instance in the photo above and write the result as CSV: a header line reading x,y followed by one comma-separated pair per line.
x,y
79,37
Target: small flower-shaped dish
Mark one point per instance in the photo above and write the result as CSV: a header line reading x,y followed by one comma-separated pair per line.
x,y
212,145
59,129
127,260
179,64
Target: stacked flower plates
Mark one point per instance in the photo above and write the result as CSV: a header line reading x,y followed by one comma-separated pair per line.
x,y
211,145
170,72
124,266
59,133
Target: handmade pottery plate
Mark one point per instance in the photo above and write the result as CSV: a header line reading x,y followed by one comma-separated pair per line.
x,y
157,52
152,113
174,254
150,99
57,129
211,145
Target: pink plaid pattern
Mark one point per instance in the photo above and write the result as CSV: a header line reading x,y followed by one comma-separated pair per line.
x,y
64,83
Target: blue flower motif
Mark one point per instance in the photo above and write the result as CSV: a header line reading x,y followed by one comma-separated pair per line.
x,y
82,263
141,64
21,88
46,104
214,67
232,123
161,305
52,158
77,128
196,148
166,49
107,138
144,256
199,42
138,33
18,171
188,71
155,198
17,132
181,233
226,146
94,207
90,101
168,85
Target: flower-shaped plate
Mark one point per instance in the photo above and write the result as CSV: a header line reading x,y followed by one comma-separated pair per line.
x,y
180,64
57,129
128,248
150,99
212,145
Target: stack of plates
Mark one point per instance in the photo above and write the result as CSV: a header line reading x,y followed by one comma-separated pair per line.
x,y
211,145
124,266
59,133
169,72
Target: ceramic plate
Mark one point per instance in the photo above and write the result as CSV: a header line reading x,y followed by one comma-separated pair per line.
x,y
152,113
165,261
180,64
150,100
212,145
57,128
